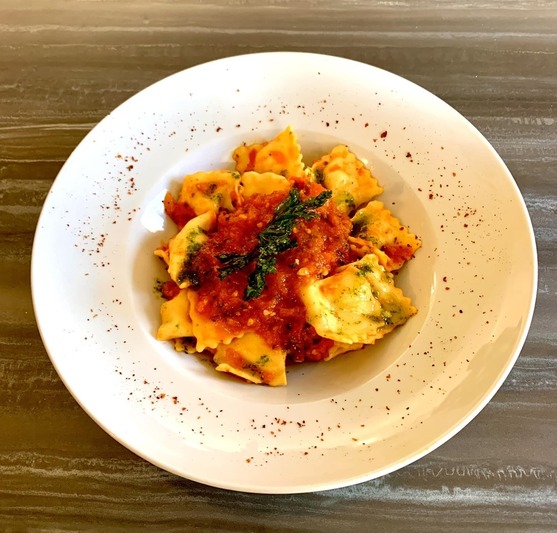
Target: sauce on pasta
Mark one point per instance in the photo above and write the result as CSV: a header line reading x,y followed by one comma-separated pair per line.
x,y
277,262
278,315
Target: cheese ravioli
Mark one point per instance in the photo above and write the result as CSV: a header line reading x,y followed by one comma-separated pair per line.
x,y
282,156
175,318
343,173
186,244
263,183
376,224
322,268
358,304
251,358
210,191
209,334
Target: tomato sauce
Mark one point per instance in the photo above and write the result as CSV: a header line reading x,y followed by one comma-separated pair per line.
x,y
169,290
278,314
398,253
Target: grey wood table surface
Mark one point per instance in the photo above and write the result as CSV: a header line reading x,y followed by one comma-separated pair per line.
x,y
64,65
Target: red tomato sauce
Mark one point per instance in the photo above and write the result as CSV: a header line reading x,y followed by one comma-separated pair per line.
x,y
278,314
398,253
169,290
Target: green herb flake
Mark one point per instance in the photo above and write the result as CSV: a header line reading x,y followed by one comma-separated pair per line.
x,y
319,176
345,201
157,286
364,269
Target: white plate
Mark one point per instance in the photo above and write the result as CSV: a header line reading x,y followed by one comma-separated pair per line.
x,y
355,418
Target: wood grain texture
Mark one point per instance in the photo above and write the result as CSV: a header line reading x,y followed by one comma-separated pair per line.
x,y
65,64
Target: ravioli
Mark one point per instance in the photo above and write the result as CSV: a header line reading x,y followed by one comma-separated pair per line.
x,y
359,304
186,244
209,191
175,318
251,358
209,334
340,348
377,225
282,156
343,173
263,183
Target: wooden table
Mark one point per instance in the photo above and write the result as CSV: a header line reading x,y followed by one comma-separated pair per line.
x,y
64,65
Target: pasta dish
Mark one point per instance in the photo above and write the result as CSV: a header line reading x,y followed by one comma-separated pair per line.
x,y
277,262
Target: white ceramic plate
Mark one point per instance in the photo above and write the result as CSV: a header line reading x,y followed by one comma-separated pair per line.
x,y
355,418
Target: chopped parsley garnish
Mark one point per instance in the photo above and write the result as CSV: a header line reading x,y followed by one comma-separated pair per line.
x,y
273,240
